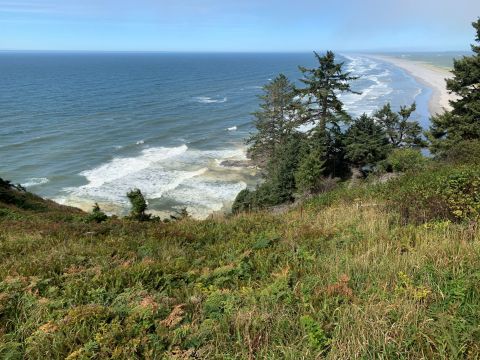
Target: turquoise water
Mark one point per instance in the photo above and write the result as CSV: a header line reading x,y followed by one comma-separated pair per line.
x,y
80,127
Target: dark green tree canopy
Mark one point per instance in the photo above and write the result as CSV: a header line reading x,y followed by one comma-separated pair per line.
x,y
275,120
311,168
322,87
366,142
400,130
463,122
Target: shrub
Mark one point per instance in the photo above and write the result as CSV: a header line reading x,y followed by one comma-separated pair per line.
x,y
316,336
97,215
242,202
139,205
402,160
445,193
464,152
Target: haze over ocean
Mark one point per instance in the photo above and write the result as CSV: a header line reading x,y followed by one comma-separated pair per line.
x,y
85,127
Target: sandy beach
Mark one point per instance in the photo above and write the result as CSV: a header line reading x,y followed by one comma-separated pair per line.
x,y
430,75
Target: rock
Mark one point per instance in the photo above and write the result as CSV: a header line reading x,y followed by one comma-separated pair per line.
x,y
237,163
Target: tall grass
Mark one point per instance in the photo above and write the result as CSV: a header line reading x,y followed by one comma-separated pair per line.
x,y
338,278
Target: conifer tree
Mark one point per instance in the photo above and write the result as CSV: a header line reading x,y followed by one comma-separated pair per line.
x,y
463,122
366,142
139,205
400,130
275,120
325,110
322,87
311,168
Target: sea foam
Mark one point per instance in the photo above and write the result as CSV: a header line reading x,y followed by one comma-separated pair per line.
x,y
178,174
209,100
34,182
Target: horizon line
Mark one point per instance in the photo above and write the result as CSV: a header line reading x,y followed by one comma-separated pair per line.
x,y
231,51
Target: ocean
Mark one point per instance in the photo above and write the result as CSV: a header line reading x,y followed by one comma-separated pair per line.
x,y
80,128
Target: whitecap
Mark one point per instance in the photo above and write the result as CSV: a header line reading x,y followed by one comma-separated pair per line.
x,y
204,196
122,167
209,100
184,176
35,182
140,142
233,128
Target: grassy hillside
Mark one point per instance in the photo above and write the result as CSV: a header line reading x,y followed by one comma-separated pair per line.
x,y
369,272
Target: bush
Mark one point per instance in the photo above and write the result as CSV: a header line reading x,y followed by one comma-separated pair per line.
x,y
464,152
265,195
139,205
97,215
243,202
402,160
445,193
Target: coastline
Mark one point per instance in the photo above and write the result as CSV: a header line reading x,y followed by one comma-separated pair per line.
x,y
429,75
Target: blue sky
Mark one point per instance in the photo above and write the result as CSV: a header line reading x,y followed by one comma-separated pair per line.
x,y
237,25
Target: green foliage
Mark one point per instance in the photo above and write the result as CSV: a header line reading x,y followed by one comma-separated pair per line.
x,y
322,87
280,185
97,215
274,121
400,130
463,122
282,170
366,142
437,194
310,171
316,336
403,160
463,152
139,205
243,202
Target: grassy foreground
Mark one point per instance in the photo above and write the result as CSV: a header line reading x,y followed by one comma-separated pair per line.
x,y
341,277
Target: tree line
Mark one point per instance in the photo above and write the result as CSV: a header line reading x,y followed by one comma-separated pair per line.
x,y
296,162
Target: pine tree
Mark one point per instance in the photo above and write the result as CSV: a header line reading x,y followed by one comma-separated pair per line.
x,y
274,121
323,84
463,122
400,130
366,142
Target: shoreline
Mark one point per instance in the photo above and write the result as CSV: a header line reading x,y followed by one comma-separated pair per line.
x,y
429,75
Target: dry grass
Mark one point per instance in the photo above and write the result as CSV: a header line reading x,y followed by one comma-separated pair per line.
x,y
338,281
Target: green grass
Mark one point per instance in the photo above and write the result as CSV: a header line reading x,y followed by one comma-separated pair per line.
x,y
339,277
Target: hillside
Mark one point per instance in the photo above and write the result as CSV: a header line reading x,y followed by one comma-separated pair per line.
x,y
367,272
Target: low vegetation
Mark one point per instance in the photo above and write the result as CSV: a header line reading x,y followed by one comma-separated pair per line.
x,y
376,270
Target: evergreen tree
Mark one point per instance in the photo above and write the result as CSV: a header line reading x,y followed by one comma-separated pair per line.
x,y
139,205
282,170
323,84
275,120
400,130
279,185
463,122
311,168
366,142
